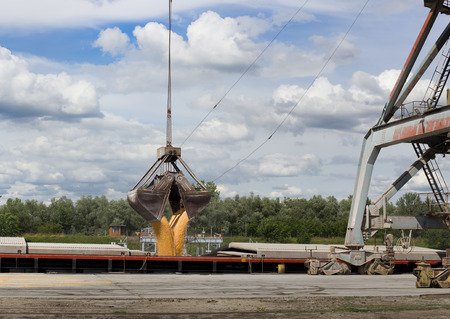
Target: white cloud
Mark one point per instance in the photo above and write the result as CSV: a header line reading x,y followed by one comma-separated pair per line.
x,y
209,56
92,156
112,41
38,172
88,174
369,88
331,106
229,46
225,191
278,165
55,13
28,190
216,131
47,157
24,93
285,14
346,52
324,106
285,60
112,193
288,191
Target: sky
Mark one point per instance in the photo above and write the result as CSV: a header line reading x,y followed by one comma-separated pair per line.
x,y
83,89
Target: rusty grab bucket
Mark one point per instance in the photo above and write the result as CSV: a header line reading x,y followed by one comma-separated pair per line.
x,y
172,187
192,200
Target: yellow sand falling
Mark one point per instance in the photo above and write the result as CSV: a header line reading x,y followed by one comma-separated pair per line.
x,y
179,224
164,237
170,234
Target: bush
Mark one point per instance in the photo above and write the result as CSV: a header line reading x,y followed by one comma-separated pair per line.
x,y
50,228
438,238
304,238
273,230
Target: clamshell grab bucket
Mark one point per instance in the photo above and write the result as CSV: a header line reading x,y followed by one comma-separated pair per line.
x,y
194,201
150,202
172,187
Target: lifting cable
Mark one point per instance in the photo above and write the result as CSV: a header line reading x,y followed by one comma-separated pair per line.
x,y
245,71
301,98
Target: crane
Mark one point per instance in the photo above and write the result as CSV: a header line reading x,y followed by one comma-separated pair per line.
x,y
424,124
165,184
427,126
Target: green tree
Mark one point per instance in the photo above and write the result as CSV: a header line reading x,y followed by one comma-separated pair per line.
x,y
62,212
119,212
9,224
16,208
274,230
37,213
437,238
410,204
50,228
90,215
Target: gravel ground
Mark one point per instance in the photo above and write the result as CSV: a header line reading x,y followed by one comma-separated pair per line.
x,y
436,307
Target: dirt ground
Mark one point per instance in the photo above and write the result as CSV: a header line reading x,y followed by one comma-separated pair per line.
x,y
426,306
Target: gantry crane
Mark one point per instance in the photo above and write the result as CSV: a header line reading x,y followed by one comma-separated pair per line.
x,y
426,125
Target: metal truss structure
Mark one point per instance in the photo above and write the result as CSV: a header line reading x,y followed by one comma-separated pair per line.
x,y
424,124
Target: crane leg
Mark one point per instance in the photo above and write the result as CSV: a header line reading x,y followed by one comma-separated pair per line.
x,y
369,153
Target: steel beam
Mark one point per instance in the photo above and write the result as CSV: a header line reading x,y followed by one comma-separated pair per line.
x,y
416,222
413,129
369,153
430,124
390,109
405,177
424,66
376,221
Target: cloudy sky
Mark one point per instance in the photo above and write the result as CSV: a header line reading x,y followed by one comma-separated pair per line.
x,y
83,86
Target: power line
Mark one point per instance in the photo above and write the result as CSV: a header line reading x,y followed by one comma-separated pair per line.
x,y
301,98
245,72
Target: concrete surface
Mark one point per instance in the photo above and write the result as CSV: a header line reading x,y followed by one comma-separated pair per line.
x,y
262,296
205,286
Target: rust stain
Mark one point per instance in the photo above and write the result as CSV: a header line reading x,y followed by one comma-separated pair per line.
x,y
418,129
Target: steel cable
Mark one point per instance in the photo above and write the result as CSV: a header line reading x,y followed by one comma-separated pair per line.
x,y
245,71
301,98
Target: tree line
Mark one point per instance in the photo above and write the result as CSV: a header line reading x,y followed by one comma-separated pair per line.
x,y
88,215
299,220
272,220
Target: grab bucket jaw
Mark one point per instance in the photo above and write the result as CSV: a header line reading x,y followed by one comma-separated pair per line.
x,y
150,202
170,187
194,201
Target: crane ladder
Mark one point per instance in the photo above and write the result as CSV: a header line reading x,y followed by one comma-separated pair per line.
x,y
431,168
434,177
436,88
